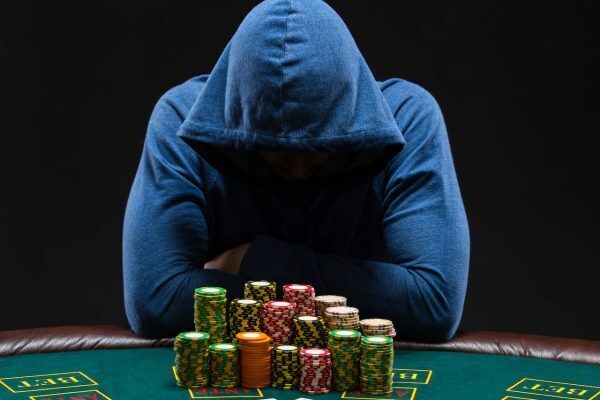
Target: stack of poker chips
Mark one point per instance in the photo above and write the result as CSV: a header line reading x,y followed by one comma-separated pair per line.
x,y
210,312
244,316
345,353
277,320
377,327
285,366
376,363
303,296
191,359
342,318
315,371
255,359
260,290
224,371
326,301
309,331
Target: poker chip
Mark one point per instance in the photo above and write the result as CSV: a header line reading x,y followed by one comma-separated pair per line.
x,y
210,312
260,290
244,316
224,371
315,371
377,358
342,318
325,301
312,343
302,295
345,354
285,366
255,359
191,359
277,321
309,331
377,327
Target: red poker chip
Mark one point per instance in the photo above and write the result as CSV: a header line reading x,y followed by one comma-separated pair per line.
x,y
279,304
314,373
301,294
315,383
316,378
315,351
315,370
323,371
315,391
297,287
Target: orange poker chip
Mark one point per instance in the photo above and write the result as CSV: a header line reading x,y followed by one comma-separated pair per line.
x,y
251,336
255,359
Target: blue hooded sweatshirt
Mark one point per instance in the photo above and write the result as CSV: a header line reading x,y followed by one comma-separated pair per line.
x,y
381,222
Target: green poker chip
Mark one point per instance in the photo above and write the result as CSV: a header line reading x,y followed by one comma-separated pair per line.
x,y
376,363
191,359
224,365
210,312
344,345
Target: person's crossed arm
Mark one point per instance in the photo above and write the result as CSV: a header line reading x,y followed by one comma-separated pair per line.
x,y
420,286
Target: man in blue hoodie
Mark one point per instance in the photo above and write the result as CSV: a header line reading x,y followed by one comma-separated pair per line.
x,y
290,162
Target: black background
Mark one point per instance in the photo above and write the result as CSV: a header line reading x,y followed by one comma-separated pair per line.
x,y
517,82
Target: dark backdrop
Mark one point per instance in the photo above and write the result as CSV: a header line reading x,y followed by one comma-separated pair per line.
x,y
517,82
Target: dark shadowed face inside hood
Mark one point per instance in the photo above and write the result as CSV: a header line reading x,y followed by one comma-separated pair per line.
x,y
292,80
296,166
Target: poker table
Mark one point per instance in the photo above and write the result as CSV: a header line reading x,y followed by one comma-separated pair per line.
x,y
109,362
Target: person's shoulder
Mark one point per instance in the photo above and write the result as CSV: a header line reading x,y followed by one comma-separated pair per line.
x,y
181,97
407,98
171,109
169,112
411,104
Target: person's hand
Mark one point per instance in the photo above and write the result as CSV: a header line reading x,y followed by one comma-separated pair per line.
x,y
230,260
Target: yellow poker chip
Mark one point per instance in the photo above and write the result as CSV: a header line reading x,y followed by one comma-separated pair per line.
x,y
309,331
285,366
260,290
244,316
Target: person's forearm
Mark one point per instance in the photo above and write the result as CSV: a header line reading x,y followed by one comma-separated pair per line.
x,y
425,302
164,309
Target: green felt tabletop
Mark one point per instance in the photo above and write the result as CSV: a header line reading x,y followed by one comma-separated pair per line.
x,y
419,375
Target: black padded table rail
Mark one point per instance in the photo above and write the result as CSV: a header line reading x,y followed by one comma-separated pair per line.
x,y
74,338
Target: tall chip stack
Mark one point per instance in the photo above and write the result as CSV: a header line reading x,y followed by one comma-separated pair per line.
x,y
342,318
315,371
325,301
210,312
309,331
277,321
224,371
377,327
260,290
191,359
302,295
244,316
345,353
377,358
255,359
285,366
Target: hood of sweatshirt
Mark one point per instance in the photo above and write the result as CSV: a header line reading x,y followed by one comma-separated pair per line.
x,y
291,79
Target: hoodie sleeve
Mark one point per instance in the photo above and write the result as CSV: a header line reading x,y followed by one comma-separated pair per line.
x,y
165,231
421,283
